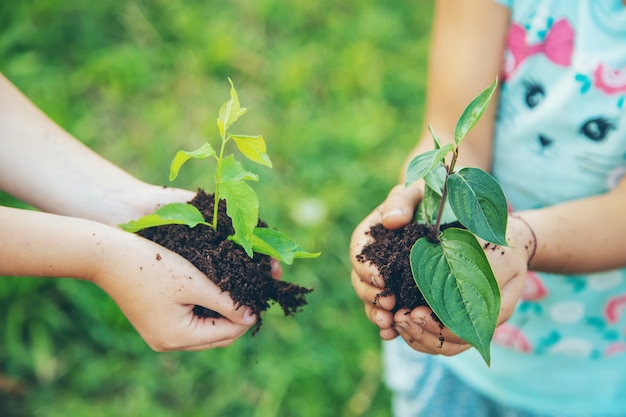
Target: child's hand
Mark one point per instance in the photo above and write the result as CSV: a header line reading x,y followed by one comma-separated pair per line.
x,y
157,290
509,264
396,211
417,327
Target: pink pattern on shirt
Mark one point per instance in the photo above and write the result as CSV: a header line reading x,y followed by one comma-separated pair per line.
x,y
610,80
510,336
557,46
615,308
534,288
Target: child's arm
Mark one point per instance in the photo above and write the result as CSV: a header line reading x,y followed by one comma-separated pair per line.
x,y
43,165
580,236
156,289
466,55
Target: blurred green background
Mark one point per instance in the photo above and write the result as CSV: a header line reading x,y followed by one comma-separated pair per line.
x,y
336,89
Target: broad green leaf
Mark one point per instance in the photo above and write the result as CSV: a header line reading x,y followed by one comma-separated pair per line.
x,y
424,163
473,112
181,157
458,284
233,170
253,148
242,206
479,203
230,111
277,245
173,213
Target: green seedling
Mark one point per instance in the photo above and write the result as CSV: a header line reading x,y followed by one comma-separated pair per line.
x,y
450,267
242,203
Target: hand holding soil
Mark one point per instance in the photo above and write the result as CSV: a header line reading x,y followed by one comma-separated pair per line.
x,y
425,243
416,324
396,211
157,290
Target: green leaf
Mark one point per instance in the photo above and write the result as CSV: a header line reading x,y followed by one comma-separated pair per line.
x,y
458,284
434,136
242,206
173,213
479,203
277,245
253,148
473,112
427,210
423,163
233,170
230,111
181,157
436,178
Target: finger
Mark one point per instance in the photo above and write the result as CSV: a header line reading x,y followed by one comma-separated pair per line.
x,y
421,330
195,288
208,333
398,209
277,270
370,294
195,333
360,236
423,340
381,318
432,325
368,274
388,334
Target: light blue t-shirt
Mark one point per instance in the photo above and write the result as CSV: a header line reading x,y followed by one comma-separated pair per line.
x,y
560,136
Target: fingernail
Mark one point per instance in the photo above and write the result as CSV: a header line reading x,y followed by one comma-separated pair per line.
x,y
393,213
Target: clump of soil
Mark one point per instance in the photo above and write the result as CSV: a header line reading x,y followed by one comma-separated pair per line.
x,y
248,280
389,252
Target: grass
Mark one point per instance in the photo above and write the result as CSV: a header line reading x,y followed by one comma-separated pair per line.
x,y
336,89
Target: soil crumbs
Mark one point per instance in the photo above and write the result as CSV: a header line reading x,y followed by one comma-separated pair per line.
x,y
390,251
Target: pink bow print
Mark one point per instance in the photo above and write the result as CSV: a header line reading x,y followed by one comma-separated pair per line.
x,y
557,46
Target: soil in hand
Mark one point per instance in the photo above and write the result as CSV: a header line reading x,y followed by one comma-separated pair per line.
x,y
248,280
389,251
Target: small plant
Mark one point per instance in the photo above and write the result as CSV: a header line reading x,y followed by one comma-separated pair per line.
x,y
242,203
450,267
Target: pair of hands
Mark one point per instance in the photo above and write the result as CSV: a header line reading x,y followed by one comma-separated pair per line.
x,y
417,327
157,289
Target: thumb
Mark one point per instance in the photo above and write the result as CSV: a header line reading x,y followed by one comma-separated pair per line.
x,y
399,207
209,298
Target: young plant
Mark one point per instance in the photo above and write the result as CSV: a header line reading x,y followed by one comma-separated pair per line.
x,y
450,267
242,203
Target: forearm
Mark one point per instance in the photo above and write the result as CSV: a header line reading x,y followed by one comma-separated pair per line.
x,y
43,165
48,245
466,51
580,236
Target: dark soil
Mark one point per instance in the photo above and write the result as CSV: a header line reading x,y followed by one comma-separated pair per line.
x,y
389,252
248,280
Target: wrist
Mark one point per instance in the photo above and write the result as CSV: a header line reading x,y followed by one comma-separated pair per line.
x,y
141,200
528,237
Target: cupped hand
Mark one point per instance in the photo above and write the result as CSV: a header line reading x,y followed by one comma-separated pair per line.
x,y
157,290
509,264
418,327
396,211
